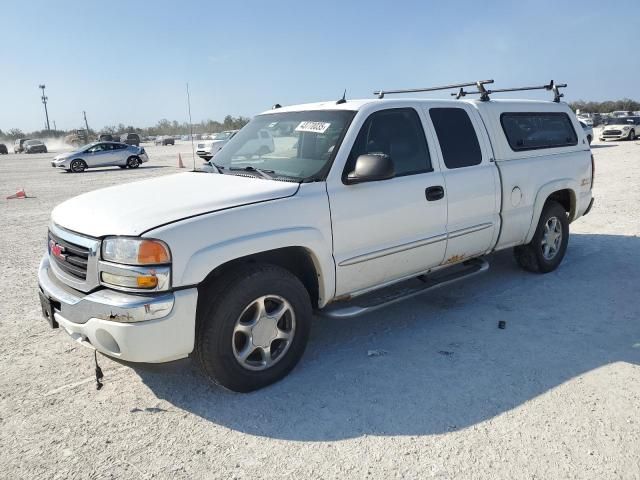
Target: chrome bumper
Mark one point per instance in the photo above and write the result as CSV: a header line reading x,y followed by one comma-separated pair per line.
x,y
104,304
134,328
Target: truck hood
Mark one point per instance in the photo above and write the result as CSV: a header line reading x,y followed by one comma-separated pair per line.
x,y
134,208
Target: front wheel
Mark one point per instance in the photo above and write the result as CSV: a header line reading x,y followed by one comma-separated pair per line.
x,y
632,135
133,162
253,327
78,166
546,249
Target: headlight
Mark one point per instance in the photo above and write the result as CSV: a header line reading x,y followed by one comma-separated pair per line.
x,y
135,251
135,264
626,127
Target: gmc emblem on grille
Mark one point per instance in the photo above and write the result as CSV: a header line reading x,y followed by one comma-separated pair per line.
x,y
57,250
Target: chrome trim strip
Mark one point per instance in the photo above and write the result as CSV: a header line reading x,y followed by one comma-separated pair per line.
x,y
419,243
103,304
162,272
467,230
391,250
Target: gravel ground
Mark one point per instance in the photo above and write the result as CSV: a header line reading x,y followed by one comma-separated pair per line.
x,y
447,395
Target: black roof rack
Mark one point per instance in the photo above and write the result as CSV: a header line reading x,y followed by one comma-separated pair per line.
x,y
479,85
553,86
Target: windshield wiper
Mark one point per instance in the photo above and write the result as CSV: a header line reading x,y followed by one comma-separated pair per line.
x,y
249,168
219,168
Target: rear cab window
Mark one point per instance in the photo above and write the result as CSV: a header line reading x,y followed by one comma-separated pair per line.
x,y
538,130
457,137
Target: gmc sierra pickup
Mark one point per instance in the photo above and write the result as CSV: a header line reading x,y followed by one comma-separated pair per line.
x,y
359,203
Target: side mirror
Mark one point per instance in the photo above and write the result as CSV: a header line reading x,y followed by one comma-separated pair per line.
x,y
371,168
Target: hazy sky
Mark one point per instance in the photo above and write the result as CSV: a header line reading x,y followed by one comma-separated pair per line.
x,y
128,61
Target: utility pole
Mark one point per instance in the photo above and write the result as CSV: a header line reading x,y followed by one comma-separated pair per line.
x,y
54,126
85,123
44,101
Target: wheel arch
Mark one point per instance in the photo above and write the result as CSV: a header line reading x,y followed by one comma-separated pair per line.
x,y
562,191
298,260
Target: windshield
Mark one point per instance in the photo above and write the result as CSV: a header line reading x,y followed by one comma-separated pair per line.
x,y
299,145
33,142
221,136
621,120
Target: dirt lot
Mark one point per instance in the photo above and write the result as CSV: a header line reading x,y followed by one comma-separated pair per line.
x,y
554,395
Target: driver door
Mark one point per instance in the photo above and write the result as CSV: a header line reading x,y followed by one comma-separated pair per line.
x,y
390,229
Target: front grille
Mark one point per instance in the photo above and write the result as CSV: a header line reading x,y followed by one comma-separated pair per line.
x,y
73,259
612,132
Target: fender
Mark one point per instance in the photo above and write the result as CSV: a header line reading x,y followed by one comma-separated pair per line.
x,y
541,197
203,261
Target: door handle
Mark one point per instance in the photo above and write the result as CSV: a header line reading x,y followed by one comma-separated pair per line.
x,y
434,193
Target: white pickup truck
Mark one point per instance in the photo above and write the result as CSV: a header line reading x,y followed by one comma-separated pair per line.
x,y
359,204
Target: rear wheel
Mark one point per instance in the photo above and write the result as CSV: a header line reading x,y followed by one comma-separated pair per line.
x,y
133,162
78,166
253,327
546,249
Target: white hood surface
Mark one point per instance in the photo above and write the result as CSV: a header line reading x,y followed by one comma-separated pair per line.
x,y
134,208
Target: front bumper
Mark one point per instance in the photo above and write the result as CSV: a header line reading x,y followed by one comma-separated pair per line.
x,y
135,328
617,135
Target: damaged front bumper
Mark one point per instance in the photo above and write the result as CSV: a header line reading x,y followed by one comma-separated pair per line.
x,y
136,328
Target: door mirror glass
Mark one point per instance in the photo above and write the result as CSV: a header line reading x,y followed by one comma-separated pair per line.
x,y
371,168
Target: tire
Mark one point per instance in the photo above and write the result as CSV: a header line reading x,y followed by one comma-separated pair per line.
x,y
632,135
78,166
133,162
46,151
543,253
225,337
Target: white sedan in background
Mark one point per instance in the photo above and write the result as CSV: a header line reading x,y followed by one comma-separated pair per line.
x,y
588,130
101,154
208,148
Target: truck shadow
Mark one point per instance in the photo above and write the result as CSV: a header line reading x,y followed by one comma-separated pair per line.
x,y
438,362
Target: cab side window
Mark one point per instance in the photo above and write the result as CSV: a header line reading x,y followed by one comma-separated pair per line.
x,y
457,137
397,133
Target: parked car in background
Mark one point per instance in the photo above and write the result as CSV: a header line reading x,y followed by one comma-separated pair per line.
x,y
106,137
165,140
18,145
619,128
101,154
34,146
130,139
3,149
588,130
208,148
586,120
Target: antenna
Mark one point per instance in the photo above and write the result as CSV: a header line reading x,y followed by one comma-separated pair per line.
x,y
193,151
343,99
479,84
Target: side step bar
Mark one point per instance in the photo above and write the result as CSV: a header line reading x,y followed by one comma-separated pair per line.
x,y
400,291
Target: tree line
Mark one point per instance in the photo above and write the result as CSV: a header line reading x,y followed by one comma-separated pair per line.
x,y
605,107
162,127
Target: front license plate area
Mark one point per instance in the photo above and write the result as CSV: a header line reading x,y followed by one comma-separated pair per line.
x,y
47,310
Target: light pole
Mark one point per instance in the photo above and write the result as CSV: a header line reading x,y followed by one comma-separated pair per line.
x,y
44,101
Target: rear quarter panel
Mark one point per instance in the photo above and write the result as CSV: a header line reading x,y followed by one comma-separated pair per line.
x,y
529,177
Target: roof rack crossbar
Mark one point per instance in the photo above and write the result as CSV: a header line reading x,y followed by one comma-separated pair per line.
x,y
554,87
479,85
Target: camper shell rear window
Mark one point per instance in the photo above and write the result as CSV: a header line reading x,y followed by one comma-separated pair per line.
x,y
538,130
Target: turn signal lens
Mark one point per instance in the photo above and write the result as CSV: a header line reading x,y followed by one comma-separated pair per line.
x,y
130,281
151,252
147,281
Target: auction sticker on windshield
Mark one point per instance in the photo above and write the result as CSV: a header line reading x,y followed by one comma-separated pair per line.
x,y
313,127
